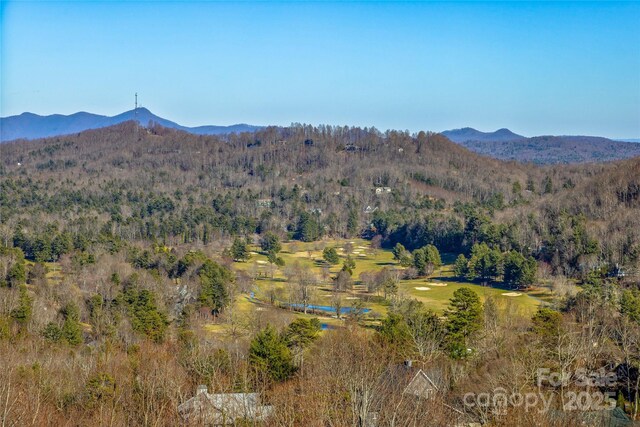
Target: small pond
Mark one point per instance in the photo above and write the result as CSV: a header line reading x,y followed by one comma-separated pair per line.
x,y
328,308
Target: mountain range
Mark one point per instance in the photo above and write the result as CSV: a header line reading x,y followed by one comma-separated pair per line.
x,y
502,144
471,134
33,126
547,149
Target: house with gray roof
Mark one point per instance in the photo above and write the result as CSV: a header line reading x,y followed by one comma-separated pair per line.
x,y
223,408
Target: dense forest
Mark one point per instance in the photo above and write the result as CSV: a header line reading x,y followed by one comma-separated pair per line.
x,y
123,248
550,149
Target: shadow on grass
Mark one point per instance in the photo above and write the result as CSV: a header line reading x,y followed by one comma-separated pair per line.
x,y
321,263
370,326
541,294
493,285
451,279
274,279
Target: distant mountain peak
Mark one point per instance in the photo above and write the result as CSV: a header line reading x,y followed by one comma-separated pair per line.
x,y
31,126
504,131
470,134
544,149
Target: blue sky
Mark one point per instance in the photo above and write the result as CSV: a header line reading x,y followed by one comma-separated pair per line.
x,y
536,68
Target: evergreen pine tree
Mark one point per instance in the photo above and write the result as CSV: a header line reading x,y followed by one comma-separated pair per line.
x,y
269,354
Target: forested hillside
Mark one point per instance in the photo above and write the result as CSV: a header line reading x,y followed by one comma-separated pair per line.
x,y
554,149
150,260
160,184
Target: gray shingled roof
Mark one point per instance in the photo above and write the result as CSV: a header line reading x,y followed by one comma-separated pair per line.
x,y
223,408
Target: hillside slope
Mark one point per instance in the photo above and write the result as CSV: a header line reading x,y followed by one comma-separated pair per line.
x,y
556,149
547,149
161,183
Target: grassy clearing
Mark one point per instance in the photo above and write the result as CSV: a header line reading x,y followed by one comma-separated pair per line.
x,y
309,255
54,272
441,285
437,296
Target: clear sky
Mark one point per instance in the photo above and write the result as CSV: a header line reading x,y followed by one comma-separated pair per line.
x,y
536,68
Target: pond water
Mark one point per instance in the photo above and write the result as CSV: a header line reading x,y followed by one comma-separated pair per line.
x,y
328,308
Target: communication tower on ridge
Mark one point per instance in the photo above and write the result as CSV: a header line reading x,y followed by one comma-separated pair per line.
x,y
135,115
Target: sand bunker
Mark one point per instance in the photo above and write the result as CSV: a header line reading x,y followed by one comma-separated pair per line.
x,y
439,284
261,262
511,294
422,288
352,298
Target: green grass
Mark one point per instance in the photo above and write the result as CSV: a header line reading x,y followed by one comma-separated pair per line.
x,y
54,272
309,255
437,297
